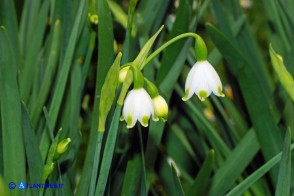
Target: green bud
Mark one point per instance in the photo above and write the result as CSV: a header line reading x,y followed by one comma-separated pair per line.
x,y
93,20
123,74
160,107
63,146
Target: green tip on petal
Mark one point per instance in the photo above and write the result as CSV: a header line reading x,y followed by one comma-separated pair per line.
x,y
163,118
220,93
145,120
185,98
155,118
202,95
129,121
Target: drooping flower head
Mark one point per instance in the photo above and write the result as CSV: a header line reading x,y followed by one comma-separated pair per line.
x,y
202,80
137,107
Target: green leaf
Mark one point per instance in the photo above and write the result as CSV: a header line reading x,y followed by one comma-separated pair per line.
x,y
3,185
120,16
135,175
108,92
130,31
63,75
213,136
86,67
250,180
181,25
49,73
177,181
284,178
237,161
151,14
132,176
64,72
254,94
272,11
34,159
31,51
242,38
105,59
283,75
96,163
108,152
10,104
8,19
201,182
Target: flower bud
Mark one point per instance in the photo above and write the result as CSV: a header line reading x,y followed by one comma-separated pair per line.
x,y
62,147
123,73
160,107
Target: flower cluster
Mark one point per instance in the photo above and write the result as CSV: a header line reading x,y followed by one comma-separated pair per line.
x,y
143,101
140,105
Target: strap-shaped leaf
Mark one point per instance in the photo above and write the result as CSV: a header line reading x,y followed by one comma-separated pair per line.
x,y
202,180
177,181
284,179
250,180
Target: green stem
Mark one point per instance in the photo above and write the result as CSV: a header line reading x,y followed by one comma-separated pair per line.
x,y
161,48
143,160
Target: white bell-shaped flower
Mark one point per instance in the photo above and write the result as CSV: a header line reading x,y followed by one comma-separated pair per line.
x,y
202,80
137,106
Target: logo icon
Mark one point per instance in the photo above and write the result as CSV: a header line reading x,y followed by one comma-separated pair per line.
x,y
11,185
21,186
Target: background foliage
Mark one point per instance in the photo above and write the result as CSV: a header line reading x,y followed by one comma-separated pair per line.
x,y
54,58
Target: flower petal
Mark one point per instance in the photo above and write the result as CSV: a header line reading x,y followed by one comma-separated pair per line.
x,y
213,80
190,83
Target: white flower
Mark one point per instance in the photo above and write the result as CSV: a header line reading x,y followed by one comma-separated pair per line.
x,y
160,107
202,80
137,106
